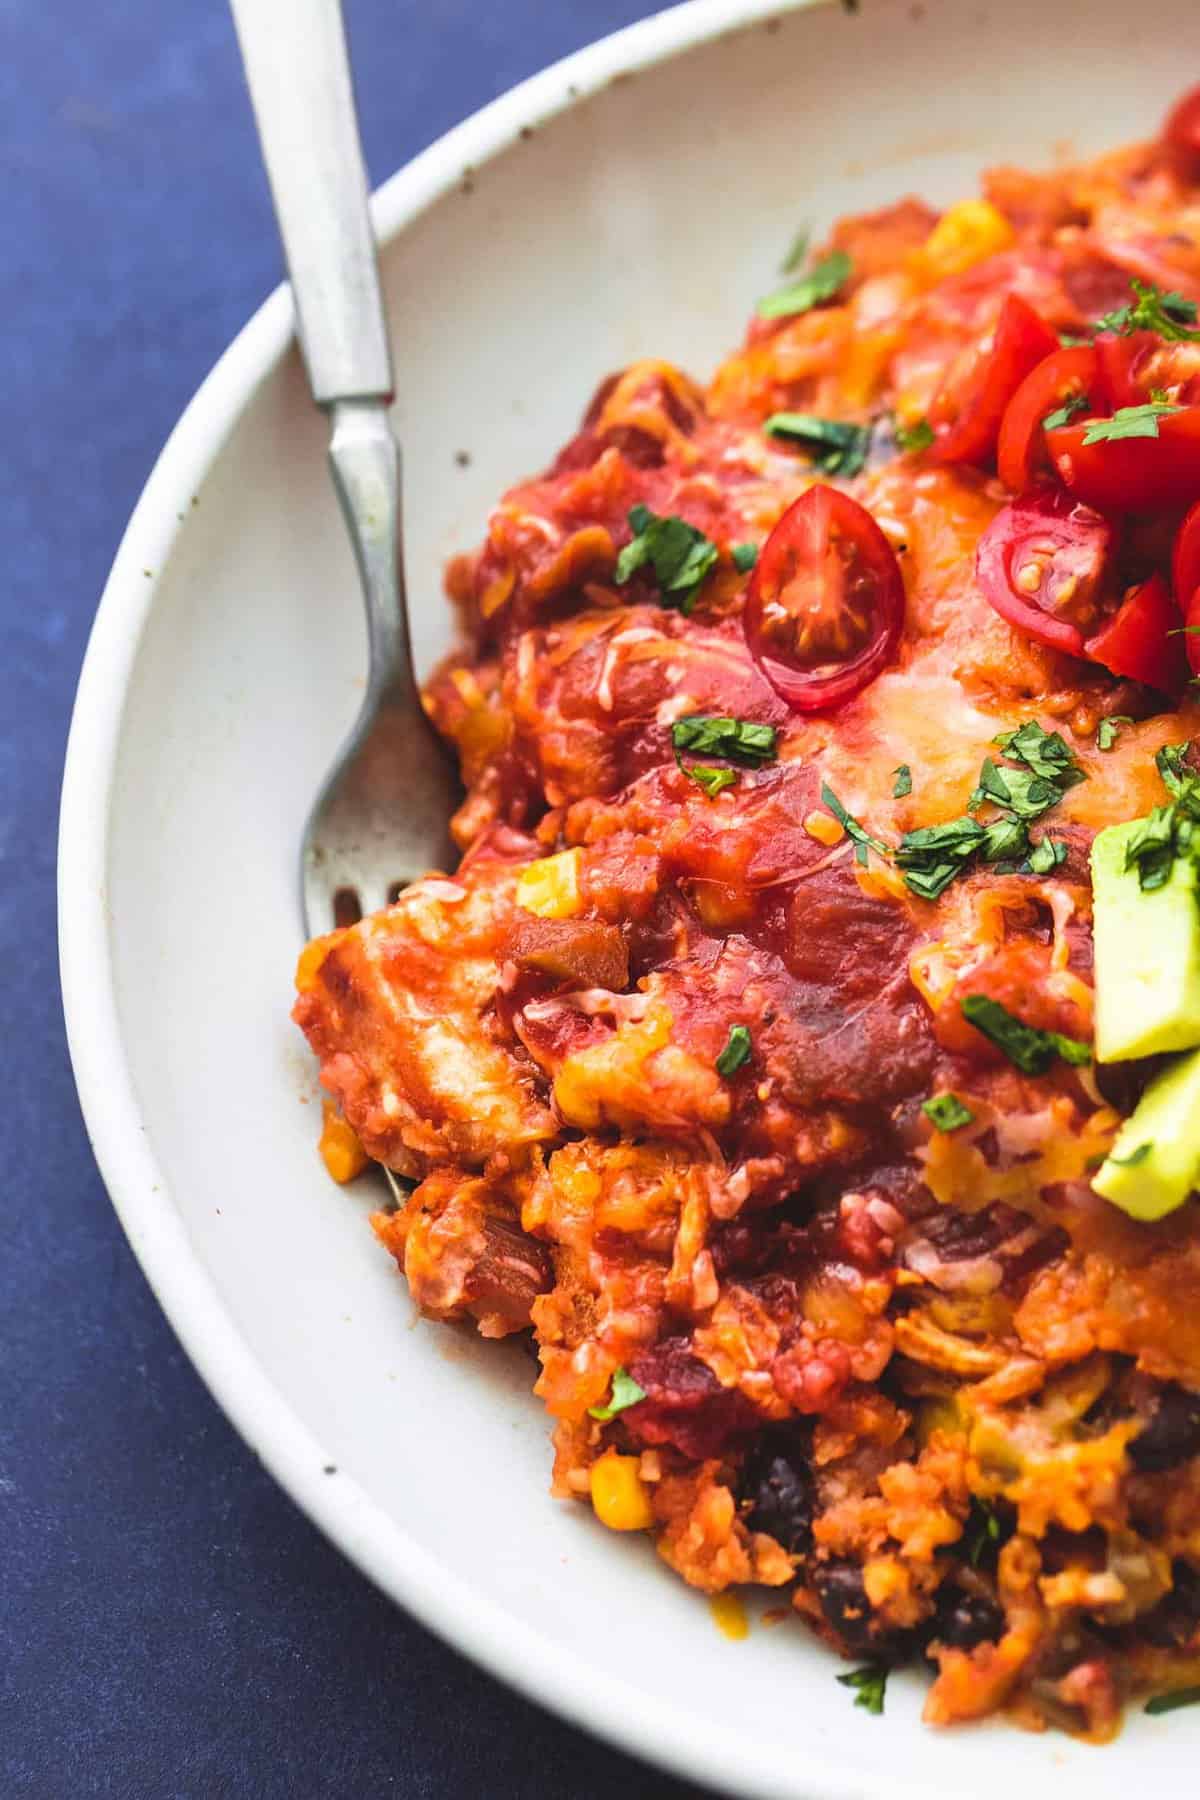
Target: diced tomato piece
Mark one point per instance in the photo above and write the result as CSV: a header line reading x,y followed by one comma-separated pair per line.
x,y
1021,457
1142,639
968,408
1043,564
1185,557
1139,367
1182,129
1191,638
826,601
1132,474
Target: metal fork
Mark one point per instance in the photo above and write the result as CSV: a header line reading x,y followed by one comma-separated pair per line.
x,y
381,819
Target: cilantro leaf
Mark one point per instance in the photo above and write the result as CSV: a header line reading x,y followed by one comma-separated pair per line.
x,y
1165,1703
871,1684
1070,409
798,250
933,855
744,557
1170,315
902,786
736,1051
982,1530
1046,855
1004,840
624,1392
713,734
1169,761
912,439
837,447
1151,848
713,780
1032,1051
947,1112
680,556
1136,1156
1128,422
1108,730
863,840
1045,752
822,282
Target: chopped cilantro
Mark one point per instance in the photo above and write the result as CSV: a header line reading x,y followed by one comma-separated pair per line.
x,y
1108,730
982,1530
912,439
1045,752
680,556
798,250
1170,315
713,780
1128,422
736,1051
947,1112
1032,1051
932,856
1004,840
822,282
1070,409
1135,1157
1165,1703
862,839
902,786
1047,854
837,447
1151,849
625,1392
871,1684
744,557
1171,830
1169,761
712,734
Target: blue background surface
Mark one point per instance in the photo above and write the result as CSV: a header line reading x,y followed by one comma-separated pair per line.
x,y
169,1624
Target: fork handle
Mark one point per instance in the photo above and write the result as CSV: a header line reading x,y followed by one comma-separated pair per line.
x,y
298,72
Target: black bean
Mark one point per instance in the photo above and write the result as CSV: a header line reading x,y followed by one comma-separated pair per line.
x,y
1171,1433
779,1490
1175,1621
843,1597
963,1620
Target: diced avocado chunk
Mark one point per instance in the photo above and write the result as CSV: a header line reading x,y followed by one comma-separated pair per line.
x,y
1147,954
1155,1162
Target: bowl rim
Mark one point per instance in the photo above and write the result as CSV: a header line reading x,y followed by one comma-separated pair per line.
x,y
518,1655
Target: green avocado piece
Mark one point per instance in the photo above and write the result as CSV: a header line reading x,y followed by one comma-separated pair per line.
x,y
1155,1162
1147,954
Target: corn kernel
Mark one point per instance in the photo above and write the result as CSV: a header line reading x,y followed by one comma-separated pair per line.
x,y
341,1152
619,1494
824,827
729,1616
550,887
963,236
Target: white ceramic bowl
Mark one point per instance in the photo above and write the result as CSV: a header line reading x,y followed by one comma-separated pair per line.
x,y
631,201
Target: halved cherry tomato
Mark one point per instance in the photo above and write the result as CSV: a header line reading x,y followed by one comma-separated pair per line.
x,y
1135,474
1142,639
1135,368
1191,637
825,603
1182,129
1042,564
1021,455
1185,558
968,407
